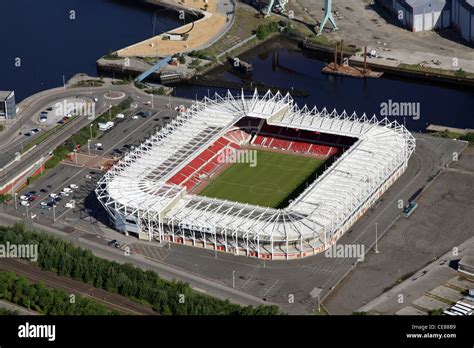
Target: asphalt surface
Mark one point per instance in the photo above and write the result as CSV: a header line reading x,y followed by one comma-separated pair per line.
x,y
10,146
270,282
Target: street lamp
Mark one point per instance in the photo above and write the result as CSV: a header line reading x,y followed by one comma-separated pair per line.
x,y
376,248
89,146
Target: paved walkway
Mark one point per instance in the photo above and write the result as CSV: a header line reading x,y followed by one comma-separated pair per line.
x,y
201,33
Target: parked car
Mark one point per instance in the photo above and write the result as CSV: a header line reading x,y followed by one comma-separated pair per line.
x,y
25,203
135,117
67,189
112,242
44,190
74,186
98,145
120,116
24,198
53,195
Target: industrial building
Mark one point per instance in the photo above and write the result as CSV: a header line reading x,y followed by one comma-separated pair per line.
x,y
420,15
462,18
7,105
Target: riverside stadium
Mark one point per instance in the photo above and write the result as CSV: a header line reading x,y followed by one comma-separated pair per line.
x,y
315,174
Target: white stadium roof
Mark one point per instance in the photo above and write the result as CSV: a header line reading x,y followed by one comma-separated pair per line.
x,y
137,186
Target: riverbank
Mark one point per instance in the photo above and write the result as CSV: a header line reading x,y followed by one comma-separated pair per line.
x,y
212,23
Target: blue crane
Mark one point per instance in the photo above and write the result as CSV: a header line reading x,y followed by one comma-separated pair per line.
x,y
327,17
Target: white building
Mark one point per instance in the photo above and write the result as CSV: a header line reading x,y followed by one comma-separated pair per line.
x,y
141,197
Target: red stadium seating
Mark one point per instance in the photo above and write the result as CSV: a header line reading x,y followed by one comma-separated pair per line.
x,y
205,163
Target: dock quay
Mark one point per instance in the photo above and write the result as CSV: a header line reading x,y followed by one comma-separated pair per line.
x,y
245,85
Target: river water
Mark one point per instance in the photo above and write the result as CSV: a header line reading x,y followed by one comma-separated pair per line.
x,y
50,44
282,64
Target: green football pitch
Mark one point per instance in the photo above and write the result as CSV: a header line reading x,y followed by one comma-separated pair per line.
x,y
270,183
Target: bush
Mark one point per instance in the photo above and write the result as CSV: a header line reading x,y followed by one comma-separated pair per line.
x,y
65,259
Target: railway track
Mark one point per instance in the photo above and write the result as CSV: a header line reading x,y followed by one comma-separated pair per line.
x,y
113,301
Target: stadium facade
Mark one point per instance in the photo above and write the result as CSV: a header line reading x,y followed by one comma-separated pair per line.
x,y
151,191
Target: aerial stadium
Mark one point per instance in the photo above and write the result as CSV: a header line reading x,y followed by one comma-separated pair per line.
x,y
315,174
